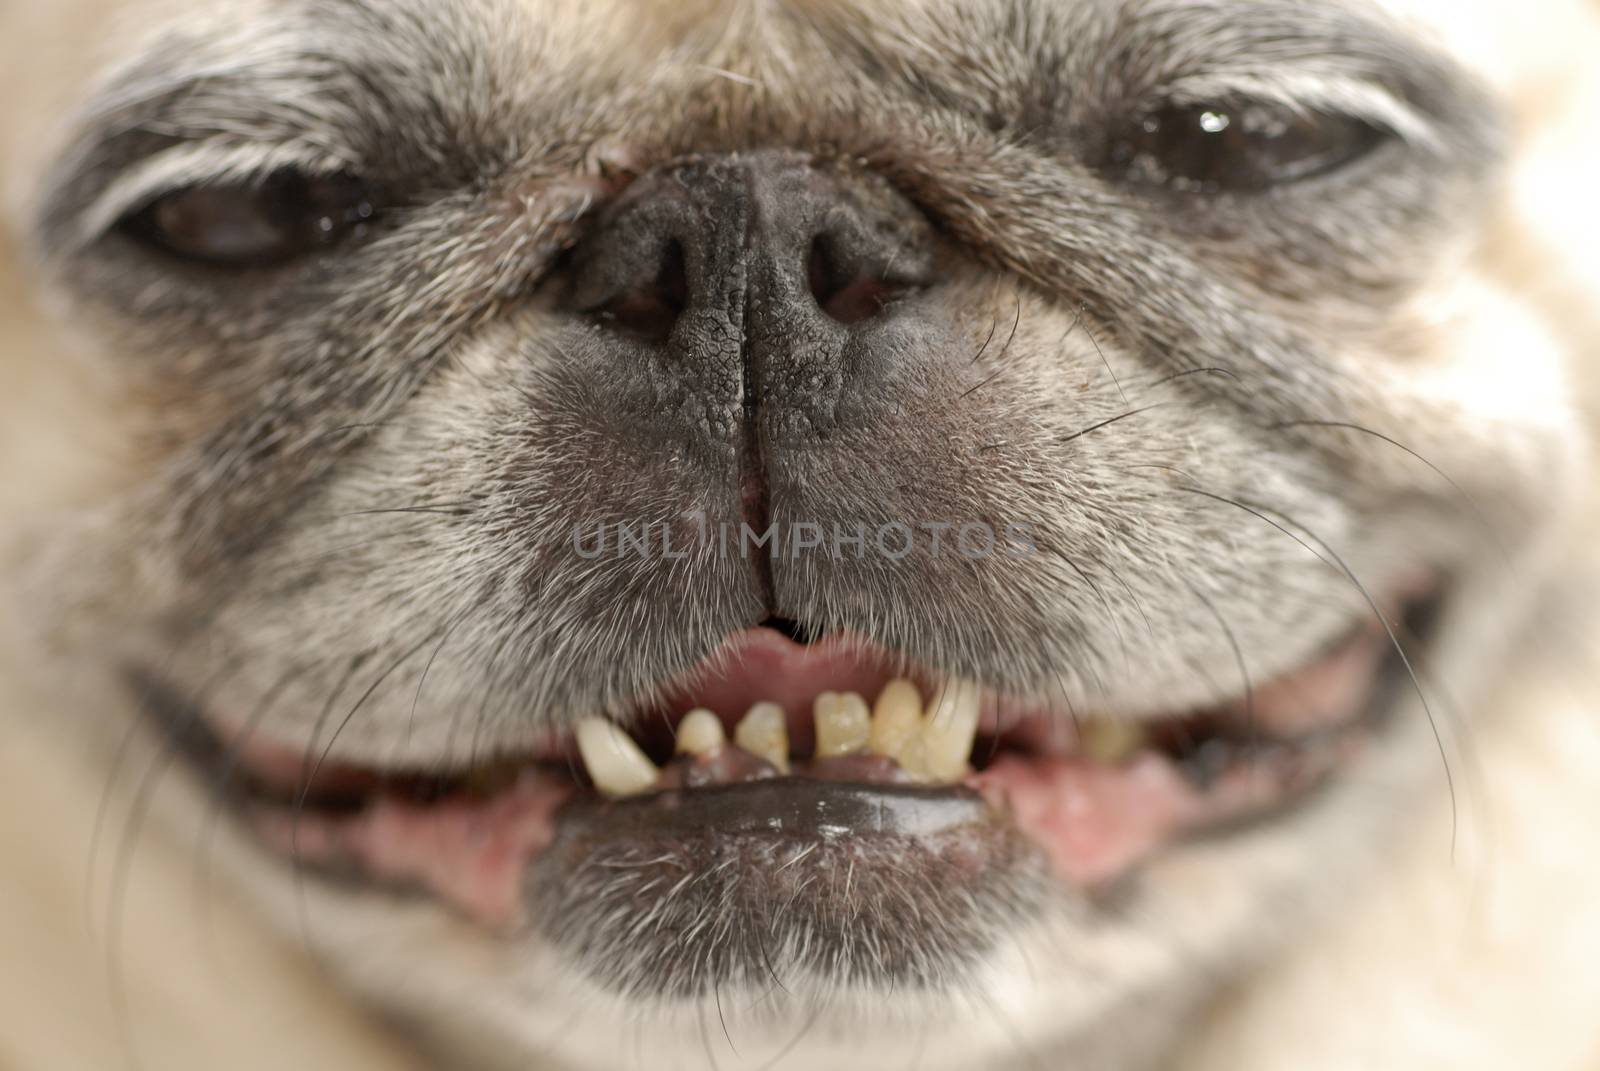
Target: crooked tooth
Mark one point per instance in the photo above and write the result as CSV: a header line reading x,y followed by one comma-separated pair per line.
x,y
843,724
896,718
700,733
764,732
1110,741
940,751
613,760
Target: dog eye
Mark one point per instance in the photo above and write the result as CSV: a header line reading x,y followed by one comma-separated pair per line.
x,y
257,225
1197,149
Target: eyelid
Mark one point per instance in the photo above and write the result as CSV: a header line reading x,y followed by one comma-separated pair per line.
x,y
207,163
1305,93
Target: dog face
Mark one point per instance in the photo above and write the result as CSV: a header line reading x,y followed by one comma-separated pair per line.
x,y
1119,377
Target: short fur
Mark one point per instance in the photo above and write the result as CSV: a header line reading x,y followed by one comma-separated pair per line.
x,y
1220,419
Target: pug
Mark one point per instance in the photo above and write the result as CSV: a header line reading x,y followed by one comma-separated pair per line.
x,y
956,534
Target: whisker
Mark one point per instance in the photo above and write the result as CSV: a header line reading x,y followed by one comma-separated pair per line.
x,y
1100,595
416,697
306,774
1238,658
1187,372
228,771
445,509
994,325
121,875
1108,422
1473,507
131,734
1261,513
1077,321
185,723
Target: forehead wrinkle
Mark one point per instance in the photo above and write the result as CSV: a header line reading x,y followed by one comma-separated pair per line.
x,y
520,50
340,81
252,34
1352,37
479,84
1338,53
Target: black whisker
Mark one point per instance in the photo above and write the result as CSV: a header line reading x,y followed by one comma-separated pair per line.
x,y
1187,372
1100,595
1478,512
1077,321
1238,658
994,325
990,378
1092,428
447,509
416,697
1261,513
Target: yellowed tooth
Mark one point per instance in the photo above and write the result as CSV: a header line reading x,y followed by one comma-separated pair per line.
x,y
764,732
896,718
613,760
940,751
700,733
843,724
1110,741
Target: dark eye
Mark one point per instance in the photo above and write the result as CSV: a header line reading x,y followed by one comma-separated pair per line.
x,y
258,225
1247,147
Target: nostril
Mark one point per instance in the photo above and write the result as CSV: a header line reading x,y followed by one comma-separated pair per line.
x,y
650,310
847,291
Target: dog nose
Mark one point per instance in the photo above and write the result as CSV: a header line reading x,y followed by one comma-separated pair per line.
x,y
774,251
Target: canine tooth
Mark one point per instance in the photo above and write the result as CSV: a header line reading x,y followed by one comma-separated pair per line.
x,y
700,733
896,718
764,732
613,760
843,724
941,750
1109,741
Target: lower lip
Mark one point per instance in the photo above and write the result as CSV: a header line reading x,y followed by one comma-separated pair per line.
x,y
1091,822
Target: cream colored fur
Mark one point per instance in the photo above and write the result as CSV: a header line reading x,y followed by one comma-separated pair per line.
x,y
1487,957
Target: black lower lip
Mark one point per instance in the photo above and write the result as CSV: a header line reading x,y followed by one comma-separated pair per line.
x,y
798,807
680,894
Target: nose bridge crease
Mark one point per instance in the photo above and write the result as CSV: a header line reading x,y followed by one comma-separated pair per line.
x,y
755,496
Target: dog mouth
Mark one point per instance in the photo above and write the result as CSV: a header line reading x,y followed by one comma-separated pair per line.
x,y
783,747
